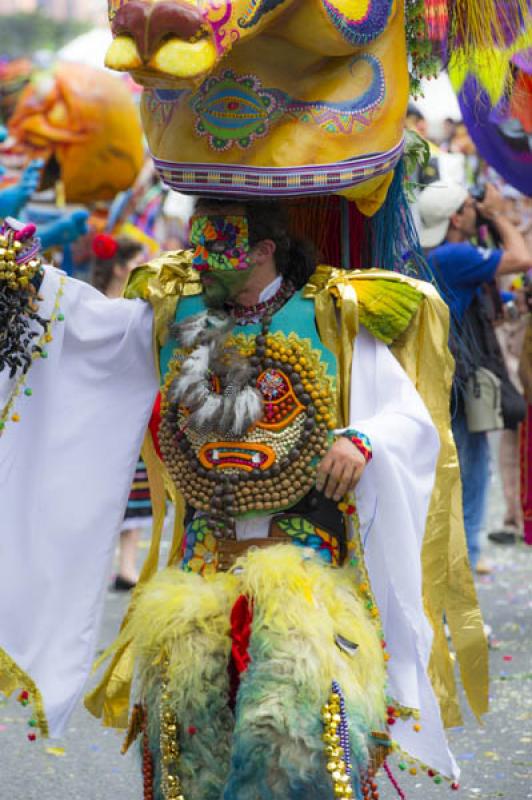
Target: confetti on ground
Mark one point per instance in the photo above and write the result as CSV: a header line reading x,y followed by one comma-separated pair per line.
x,y
55,751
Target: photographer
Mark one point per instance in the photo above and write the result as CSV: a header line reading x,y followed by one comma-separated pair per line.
x,y
450,218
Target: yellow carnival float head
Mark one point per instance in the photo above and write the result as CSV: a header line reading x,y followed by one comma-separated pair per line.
x,y
84,124
268,97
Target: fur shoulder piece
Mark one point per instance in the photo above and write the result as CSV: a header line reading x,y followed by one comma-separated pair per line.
x,y
384,302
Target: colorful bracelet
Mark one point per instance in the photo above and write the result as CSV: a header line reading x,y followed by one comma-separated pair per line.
x,y
361,442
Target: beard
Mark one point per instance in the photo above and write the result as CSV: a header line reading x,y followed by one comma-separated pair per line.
x,y
219,287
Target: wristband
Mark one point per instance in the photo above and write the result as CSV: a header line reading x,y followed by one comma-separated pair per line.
x,y
361,442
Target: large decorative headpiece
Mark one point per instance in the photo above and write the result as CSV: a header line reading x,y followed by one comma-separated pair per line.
x,y
268,97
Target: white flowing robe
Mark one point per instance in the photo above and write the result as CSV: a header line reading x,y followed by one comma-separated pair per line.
x,y
65,474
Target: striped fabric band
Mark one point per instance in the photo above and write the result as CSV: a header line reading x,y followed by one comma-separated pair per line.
x,y
294,181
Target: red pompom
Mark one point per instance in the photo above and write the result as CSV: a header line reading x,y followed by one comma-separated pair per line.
x,y
104,246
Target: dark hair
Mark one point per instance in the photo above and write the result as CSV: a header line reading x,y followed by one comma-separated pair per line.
x,y
295,258
102,268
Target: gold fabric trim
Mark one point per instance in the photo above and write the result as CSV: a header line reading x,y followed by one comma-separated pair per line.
x,y
162,282
448,588
12,677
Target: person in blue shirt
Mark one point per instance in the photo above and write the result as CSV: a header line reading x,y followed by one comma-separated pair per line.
x,y
448,225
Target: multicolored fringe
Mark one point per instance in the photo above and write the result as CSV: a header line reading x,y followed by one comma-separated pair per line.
x,y
400,251
438,30
370,242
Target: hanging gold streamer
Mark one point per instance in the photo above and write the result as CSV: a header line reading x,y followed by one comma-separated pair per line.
x,y
421,347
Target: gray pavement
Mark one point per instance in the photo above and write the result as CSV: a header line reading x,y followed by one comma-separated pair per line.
x,y
496,759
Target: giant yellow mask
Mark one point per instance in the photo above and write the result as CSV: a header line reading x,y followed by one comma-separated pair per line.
x,y
268,97
84,123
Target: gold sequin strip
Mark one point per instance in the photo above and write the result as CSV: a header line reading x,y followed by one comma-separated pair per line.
x,y
170,782
336,738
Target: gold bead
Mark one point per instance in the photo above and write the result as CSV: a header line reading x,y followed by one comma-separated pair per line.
x,y
332,766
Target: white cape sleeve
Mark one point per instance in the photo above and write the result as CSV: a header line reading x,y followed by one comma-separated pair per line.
x,y
65,473
392,500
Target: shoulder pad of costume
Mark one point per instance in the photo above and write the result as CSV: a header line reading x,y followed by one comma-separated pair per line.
x,y
387,301
168,275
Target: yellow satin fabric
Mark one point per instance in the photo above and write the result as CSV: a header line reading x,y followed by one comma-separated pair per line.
x,y
448,586
12,679
162,282
421,348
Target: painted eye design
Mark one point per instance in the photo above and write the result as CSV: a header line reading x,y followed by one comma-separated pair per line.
x,y
233,110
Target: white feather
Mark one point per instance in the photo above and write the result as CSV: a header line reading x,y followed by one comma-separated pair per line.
x,y
197,363
248,410
189,331
207,413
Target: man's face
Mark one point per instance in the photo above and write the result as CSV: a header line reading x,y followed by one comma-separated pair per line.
x,y
222,255
467,218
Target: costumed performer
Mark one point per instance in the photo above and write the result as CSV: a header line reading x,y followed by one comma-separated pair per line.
x,y
241,100
247,431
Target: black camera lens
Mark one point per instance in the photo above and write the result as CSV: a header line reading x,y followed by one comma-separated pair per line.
x,y
478,193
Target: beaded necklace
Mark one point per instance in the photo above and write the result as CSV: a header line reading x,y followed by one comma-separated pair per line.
x,y
243,315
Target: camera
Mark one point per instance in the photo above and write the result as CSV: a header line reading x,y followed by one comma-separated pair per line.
x,y
478,193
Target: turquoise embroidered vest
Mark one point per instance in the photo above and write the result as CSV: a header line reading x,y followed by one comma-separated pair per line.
x,y
272,465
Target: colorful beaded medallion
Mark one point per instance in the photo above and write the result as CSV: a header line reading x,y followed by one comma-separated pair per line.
x,y
272,465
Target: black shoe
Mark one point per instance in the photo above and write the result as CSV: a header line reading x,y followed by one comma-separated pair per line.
x,y
123,585
502,537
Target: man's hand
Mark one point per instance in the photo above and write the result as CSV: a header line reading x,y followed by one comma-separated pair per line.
x,y
492,204
340,470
